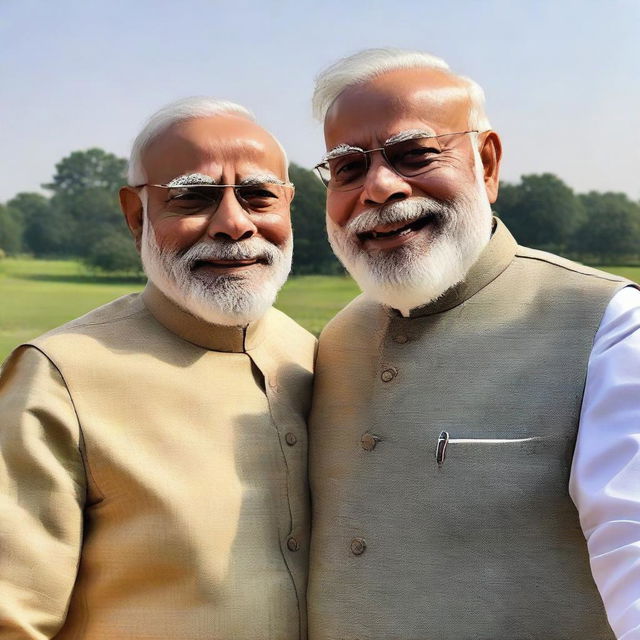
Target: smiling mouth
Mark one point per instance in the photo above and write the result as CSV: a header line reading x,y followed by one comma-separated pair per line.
x,y
228,264
410,227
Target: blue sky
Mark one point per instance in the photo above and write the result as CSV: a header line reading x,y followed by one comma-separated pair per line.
x,y
562,77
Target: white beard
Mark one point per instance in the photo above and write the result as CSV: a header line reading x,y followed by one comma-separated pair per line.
x,y
422,269
226,299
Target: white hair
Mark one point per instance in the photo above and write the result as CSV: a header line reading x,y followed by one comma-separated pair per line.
x,y
365,65
173,113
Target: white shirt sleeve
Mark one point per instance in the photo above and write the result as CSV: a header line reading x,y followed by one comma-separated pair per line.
x,y
605,475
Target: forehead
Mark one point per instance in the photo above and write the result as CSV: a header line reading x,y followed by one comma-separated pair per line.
x,y
367,114
219,146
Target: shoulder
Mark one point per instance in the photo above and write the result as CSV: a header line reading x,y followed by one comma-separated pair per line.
x,y
285,333
121,309
24,363
621,321
358,322
561,279
561,265
30,382
280,321
119,319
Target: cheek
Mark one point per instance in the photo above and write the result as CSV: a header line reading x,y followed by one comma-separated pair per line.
x,y
179,232
341,206
274,228
446,183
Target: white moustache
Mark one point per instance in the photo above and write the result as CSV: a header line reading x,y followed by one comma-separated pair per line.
x,y
396,212
250,249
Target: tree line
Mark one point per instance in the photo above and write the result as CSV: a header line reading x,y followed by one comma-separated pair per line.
x,y
81,218
597,228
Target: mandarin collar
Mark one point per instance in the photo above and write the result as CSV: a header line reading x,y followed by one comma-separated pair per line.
x,y
493,260
204,334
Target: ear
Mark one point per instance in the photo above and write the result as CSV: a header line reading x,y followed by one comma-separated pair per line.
x,y
491,154
131,206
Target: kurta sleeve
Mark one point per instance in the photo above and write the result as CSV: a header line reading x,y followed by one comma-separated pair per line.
x,y
42,492
605,476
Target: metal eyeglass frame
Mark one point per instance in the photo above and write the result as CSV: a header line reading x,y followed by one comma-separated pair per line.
x,y
383,149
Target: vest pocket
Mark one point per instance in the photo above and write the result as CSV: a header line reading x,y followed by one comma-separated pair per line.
x,y
476,445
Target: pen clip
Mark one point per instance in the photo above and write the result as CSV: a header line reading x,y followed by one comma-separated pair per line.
x,y
441,447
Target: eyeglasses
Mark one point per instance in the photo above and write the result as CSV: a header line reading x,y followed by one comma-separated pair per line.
x,y
347,170
263,197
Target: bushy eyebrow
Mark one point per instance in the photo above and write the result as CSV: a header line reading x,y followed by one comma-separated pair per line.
x,y
410,134
191,179
340,150
261,179
197,179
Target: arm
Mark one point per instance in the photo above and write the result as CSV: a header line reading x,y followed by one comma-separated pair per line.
x,y
42,490
605,476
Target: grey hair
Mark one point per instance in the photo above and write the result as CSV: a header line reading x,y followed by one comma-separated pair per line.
x,y
364,65
173,113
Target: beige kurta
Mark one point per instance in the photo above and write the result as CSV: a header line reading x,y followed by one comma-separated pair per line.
x,y
153,478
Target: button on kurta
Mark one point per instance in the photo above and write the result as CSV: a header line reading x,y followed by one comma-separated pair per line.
x,y
358,545
369,441
292,544
290,439
388,374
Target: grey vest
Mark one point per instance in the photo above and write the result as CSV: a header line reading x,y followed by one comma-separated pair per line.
x,y
483,543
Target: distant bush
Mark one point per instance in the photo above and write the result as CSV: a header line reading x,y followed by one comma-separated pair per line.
x,y
10,231
114,252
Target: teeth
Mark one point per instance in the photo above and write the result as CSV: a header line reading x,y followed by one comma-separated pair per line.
x,y
395,232
414,225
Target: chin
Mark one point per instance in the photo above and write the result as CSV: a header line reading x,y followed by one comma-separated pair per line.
x,y
422,269
230,299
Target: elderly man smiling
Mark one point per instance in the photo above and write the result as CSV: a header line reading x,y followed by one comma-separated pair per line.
x,y
448,398
153,452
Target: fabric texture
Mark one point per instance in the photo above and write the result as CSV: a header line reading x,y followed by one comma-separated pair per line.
x,y
153,478
606,462
487,543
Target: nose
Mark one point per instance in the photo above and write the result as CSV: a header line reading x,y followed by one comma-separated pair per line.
x,y
382,184
230,221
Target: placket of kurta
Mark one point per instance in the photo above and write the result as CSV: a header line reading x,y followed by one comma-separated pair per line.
x,y
390,456
291,430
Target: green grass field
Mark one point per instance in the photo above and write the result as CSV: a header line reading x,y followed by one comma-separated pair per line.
x,y
37,295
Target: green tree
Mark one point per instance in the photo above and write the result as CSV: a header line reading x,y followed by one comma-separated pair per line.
x,y
86,170
93,214
541,211
611,230
46,231
114,252
312,253
10,230
85,194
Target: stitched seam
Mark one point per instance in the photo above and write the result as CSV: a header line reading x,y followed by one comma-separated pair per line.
x,y
599,276
81,444
110,321
288,493
91,478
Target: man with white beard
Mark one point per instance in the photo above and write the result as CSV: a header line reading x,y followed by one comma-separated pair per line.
x,y
448,399
153,475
